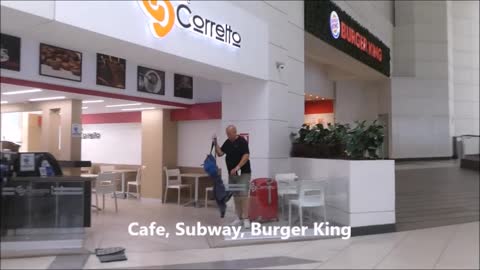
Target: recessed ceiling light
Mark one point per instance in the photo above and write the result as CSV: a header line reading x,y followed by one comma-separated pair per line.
x,y
3,102
139,109
46,98
323,98
36,112
84,108
93,101
123,105
311,95
22,92
316,97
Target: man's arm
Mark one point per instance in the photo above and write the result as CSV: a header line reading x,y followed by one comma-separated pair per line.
x,y
218,150
242,162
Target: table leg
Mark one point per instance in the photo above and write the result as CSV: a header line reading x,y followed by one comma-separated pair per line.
x,y
196,191
123,186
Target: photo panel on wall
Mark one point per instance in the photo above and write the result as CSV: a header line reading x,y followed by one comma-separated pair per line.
x,y
150,80
111,71
60,63
9,52
183,86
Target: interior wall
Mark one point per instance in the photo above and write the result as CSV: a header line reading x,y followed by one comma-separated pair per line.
x,y
119,143
464,28
152,153
420,89
270,110
12,127
194,138
317,81
355,101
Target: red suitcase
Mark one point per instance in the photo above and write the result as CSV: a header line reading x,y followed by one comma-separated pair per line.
x,y
263,200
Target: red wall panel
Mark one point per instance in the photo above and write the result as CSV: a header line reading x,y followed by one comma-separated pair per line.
x,y
321,106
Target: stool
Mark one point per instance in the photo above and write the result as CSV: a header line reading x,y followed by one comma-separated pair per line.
x,y
206,195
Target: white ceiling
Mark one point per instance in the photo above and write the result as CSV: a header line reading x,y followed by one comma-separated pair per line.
x,y
91,107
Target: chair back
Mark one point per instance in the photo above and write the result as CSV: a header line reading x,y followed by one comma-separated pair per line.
x,y
312,190
106,183
286,182
139,176
106,168
172,176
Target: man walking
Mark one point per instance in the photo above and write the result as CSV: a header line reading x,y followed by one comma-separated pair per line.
x,y
238,164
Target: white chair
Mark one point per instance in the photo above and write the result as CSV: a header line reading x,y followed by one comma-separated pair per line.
x,y
106,184
174,181
137,182
207,190
310,194
286,187
106,168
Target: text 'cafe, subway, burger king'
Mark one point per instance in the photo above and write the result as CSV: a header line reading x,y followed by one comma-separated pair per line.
x,y
163,16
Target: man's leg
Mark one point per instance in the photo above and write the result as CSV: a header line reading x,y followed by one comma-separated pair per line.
x,y
238,200
244,206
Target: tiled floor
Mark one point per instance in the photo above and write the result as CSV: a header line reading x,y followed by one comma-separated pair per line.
x,y
448,247
435,193
453,246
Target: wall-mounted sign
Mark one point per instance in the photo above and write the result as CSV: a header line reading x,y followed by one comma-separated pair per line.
x,y
150,80
76,130
91,135
327,21
163,15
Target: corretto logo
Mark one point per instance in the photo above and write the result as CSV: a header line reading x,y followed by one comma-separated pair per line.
x,y
163,15
334,24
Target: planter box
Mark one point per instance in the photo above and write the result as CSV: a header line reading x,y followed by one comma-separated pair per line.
x,y
359,192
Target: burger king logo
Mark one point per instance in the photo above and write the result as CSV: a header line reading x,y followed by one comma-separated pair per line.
x,y
334,24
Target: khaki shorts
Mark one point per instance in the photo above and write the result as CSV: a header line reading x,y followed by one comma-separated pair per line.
x,y
243,180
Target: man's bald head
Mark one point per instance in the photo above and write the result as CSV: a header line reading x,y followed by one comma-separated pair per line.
x,y
231,131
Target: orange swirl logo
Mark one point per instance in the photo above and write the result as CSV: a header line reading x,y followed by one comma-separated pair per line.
x,y
161,14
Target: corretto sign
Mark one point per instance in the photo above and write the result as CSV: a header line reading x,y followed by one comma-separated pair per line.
x,y
163,15
328,22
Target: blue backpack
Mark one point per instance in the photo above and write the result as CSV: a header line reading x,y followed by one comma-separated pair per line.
x,y
210,163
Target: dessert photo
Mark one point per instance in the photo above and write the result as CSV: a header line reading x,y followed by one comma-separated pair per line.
x,y
111,71
183,86
60,63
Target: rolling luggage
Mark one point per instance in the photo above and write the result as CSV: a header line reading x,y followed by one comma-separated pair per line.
x,y
263,200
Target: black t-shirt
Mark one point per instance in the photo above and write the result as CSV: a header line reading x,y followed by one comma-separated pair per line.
x,y
234,151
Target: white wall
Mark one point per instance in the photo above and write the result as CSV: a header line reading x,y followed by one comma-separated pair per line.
x,y
194,139
420,90
464,23
270,110
355,101
11,127
119,143
317,81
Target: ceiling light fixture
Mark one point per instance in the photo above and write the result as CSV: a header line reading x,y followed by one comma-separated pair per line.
x,y
3,102
123,105
46,98
139,109
316,97
323,98
93,101
22,92
84,108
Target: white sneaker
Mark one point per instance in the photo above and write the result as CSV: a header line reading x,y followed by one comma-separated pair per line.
x,y
237,222
246,224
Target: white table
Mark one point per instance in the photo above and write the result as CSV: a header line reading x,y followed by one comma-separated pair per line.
x,y
123,172
196,176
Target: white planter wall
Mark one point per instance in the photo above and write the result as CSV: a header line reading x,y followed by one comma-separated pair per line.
x,y
359,192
